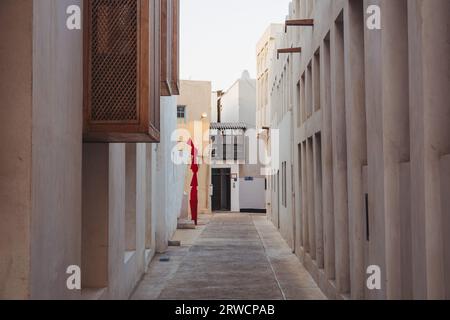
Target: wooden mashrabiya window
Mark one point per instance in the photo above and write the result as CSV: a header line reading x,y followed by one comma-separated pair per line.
x,y
122,71
170,24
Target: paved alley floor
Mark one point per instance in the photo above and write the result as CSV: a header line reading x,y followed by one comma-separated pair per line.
x,y
233,256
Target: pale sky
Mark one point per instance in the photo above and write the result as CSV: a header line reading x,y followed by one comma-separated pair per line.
x,y
219,37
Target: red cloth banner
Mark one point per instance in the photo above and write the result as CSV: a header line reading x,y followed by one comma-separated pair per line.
x,y
194,183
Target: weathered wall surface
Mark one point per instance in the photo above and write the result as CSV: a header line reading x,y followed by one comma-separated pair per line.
x,y
57,148
15,145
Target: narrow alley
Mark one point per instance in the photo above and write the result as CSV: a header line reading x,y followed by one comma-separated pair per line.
x,y
231,257
224,150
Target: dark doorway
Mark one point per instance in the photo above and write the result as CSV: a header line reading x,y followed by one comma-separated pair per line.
x,y
221,180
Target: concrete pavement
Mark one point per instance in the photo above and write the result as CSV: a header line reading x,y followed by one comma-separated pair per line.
x,y
233,256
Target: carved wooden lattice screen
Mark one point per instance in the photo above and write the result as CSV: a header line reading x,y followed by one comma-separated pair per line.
x,y
121,46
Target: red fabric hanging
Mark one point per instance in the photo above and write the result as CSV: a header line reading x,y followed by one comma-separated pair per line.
x,y
194,183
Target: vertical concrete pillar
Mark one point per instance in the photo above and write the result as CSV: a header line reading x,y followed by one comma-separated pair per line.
x,y
327,162
317,145
316,81
130,204
305,218
340,157
303,99
95,216
429,95
56,149
395,128
309,91
356,136
310,198
405,232
299,199
141,206
149,223
375,174
158,208
445,204
116,227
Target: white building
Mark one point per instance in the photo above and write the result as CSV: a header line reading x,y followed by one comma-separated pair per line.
x,y
265,57
239,102
237,183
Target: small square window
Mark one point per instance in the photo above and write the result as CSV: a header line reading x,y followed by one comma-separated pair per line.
x,y
181,112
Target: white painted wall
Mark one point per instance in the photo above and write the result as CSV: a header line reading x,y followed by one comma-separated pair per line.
x,y
230,105
213,112
252,194
168,178
247,101
239,102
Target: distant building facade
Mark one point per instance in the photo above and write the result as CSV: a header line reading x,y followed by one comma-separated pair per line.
x,y
194,119
236,109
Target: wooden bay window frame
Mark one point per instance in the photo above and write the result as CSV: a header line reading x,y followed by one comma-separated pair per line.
x,y
176,48
122,71
170,47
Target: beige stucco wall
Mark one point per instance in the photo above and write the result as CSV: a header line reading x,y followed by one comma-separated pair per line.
x,y
196,96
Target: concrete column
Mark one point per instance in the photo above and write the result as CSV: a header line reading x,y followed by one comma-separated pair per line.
x,y
310,198
317,144
302,99
130,191
429,95
95,216
395,128
340,157
305,218
149,223
356,136
299,200
56,149
309,92
445,203
375,179
116,238
159,185
327,163
141,206
405,232
316,81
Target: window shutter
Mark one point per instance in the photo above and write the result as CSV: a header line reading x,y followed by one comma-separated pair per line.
x,y
122,71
